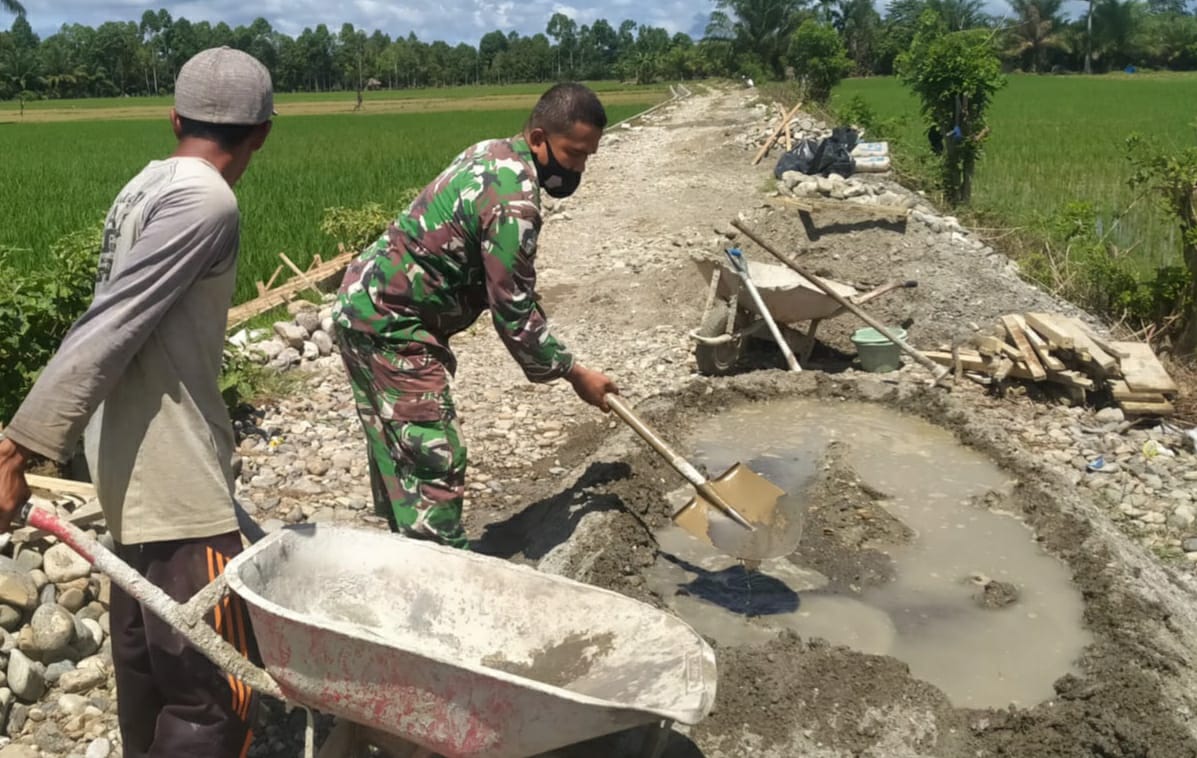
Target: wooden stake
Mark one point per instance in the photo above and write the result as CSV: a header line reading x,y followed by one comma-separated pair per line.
x,y
776,133
302,275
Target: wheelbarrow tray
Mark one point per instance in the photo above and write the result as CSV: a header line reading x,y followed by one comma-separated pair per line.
x,y
463,654
789,297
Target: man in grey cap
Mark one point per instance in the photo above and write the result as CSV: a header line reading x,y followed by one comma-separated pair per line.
x,y
140,370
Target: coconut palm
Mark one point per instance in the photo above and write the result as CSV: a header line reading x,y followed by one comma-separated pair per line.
x,y
858,23
1117,31
1037,31
760,27
12,6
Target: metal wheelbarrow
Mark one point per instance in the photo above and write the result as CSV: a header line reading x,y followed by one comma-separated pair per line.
x,y
429,650
730,317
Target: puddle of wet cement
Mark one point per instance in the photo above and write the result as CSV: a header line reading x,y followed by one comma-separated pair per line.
x,y
927,616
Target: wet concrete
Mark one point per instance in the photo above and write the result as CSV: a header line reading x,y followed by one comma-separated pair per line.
x,y
972,604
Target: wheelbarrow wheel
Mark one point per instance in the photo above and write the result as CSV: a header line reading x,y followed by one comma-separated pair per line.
x,y
718,360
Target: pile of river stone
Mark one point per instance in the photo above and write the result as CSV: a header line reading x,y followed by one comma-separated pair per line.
x,y
56,697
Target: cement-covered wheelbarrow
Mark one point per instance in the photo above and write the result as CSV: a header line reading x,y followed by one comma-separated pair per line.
x,y
730,317
461,654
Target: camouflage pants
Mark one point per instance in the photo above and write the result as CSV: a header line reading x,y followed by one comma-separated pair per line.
x,y
413,439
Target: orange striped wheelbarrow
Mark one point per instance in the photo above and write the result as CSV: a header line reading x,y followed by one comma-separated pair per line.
x,y
426,650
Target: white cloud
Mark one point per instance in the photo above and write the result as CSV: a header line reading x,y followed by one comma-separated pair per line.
x,y
450,20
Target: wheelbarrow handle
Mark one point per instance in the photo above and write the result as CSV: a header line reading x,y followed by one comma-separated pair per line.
x,y
186,619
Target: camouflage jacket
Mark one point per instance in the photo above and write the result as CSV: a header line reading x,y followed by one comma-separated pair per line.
x,y
466,243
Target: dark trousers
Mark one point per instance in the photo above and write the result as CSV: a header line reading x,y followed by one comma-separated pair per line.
x,y
172,701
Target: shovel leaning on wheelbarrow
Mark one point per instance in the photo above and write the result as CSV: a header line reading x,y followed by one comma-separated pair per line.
x,y
737,512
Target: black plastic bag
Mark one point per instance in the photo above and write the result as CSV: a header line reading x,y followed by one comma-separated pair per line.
x,y
801,158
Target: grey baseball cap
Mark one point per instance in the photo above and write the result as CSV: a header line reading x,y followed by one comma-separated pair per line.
x,y
224,86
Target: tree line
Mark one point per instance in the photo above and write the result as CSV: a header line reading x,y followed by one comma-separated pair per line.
x,y
754,38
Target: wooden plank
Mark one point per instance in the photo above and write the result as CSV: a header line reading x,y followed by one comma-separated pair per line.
x,y
1040,346
1121,391
1146,409
1016,332
1104,344
287,291
1143,371
1058,336
61,486
1070,379
776,133
1106,363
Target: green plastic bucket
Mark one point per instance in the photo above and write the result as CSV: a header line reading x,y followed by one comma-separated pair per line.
x,y
877,354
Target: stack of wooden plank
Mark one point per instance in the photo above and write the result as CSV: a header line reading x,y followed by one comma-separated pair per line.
x,y
1063,351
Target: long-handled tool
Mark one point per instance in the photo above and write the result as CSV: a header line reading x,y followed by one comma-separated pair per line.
x,y
937,371
736,512
736,256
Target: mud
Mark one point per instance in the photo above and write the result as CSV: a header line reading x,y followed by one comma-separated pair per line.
x,y
1132,694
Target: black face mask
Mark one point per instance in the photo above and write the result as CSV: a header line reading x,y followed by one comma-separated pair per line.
x,y
556,179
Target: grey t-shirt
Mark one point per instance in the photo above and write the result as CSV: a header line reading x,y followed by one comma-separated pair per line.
x,y
141,367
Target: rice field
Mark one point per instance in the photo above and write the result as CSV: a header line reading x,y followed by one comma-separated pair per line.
x,y
62,176
1060,139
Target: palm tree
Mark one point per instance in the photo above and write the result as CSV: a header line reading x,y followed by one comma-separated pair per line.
x,y
1037,31
13,7
858,22
760,27
1118,25
959,15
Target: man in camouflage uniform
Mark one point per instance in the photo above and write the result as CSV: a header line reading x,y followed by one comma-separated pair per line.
x,y
466,244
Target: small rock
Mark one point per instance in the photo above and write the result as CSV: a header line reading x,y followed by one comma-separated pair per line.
x,y
296,307
62,564
55,670
10,618
1182,517
71,704
1110,415
53,631
51,739
89,636
293,335
72,599
16,750
48,595
28,560
326,325
1189,545
308,320
18,589
318,466
26,678
286,359
99,748
82,679
310,351
323,342
270,349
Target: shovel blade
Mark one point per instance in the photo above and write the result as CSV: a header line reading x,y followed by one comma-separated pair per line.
x,y
776,531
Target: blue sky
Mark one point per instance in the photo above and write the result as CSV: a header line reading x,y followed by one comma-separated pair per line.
x,y
450,20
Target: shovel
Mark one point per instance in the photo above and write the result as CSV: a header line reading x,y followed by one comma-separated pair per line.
x,y
737,512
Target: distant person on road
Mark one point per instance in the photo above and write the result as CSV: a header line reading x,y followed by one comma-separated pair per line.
x,y
140,369
466,244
